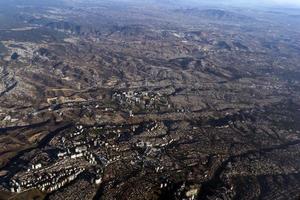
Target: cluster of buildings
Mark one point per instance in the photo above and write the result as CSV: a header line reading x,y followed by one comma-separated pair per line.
x,y
77,150
87,151
141,100
74,157
45,181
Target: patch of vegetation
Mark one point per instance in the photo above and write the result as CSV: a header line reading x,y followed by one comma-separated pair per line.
x,y
14,56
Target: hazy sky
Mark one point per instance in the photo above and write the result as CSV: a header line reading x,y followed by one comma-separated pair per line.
x,y
288,2
281,3
270,2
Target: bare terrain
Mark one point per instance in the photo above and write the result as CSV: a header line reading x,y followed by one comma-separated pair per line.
x,y
143,100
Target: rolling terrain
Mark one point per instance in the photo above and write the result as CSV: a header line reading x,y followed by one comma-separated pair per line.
x,y
136,100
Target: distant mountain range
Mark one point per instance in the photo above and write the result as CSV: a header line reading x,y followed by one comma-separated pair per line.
x,y
216,14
